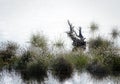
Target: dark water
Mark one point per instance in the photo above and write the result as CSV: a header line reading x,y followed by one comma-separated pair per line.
x,y
77,78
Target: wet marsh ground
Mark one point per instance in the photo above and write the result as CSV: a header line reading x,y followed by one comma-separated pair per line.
x,y
36,63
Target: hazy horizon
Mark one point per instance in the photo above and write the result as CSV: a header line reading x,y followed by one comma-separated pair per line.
x,y
20,18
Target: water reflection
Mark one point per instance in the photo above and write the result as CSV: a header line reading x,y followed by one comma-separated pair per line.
x,y
32,78
7,77
62,69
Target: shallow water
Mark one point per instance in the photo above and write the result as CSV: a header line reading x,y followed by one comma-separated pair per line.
x,y
7,77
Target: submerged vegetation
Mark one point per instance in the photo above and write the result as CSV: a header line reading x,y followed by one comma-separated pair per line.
x,y
36,61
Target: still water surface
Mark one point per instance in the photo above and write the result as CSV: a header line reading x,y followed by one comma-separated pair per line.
x,y
7,77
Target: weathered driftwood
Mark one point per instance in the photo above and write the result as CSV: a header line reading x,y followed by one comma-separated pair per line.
x,y
78,40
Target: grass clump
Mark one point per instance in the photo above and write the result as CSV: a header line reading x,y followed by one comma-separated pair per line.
x,y
79,60
23,60
97,70
112,61
37,70
38,40
1,64
97,67
94,27
62,69
104,64
59,43
99,43
8,51
116,65
115,33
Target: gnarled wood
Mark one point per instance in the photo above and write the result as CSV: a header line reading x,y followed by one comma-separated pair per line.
x,y
78,40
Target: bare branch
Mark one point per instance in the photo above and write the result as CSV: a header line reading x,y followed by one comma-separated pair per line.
x,y
71,27
78,40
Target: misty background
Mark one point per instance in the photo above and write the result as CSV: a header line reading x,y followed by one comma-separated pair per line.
x,y
21,18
